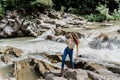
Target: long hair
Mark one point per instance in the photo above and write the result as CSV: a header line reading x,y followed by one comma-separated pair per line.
x,y
75,38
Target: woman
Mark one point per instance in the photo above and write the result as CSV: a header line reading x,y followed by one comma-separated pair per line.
x,y
71,42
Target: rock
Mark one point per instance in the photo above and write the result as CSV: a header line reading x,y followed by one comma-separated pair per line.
x,y
2,34
106,25
49,37
78,74
8,30
38,21
103,37
11,20
2,25
5,59
60,23
59,32
118,31
76,22
50,32
49,21
60,38
55,58
43,66
69,26
20,34
79,35
33,34
54,15
50,76
17,52
115,70
4,21
11,50
95,76
47,26
98,71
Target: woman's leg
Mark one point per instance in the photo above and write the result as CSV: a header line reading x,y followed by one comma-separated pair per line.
x,y
71,59
63,58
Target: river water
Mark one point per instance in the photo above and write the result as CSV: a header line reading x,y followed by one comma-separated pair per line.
x,y
99,52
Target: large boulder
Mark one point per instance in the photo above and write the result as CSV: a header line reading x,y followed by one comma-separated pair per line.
x,y
8,30
12,50
78,74
44,67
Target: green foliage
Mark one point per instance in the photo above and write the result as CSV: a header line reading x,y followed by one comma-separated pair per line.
x,y
73,10
95,17
1,10
42,3
62,9
116,14
108,9
104,11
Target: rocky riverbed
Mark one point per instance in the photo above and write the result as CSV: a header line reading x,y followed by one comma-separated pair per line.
x,y
39,58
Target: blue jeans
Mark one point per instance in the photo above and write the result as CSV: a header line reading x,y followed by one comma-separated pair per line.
x,y
70,53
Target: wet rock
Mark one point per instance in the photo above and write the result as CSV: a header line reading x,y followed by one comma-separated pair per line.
x,y
54,15
8,30
50,76
114,69
11,50
106,25
17,52
59,32
11,20
55,58
50,21
2,34
49,37
79,35
95,76
50,32
19,66
2,25
44,67
5,58
78,74
75,22
48,26
60,23
60,38
118,31
4,20
20,34
38,21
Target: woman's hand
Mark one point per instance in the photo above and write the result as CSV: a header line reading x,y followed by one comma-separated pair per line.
x,y
76,55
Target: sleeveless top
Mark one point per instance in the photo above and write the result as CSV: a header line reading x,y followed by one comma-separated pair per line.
x,y
70,43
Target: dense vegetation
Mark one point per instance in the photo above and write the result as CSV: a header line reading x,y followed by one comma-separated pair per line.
x,y
95,10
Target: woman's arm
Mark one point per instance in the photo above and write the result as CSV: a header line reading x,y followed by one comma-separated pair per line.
x,y
76,50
